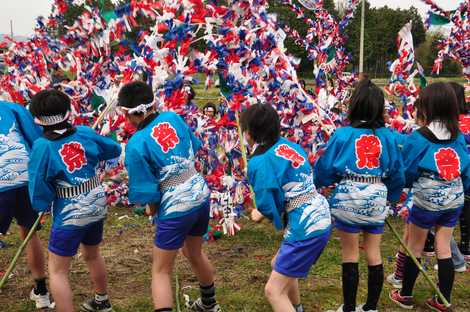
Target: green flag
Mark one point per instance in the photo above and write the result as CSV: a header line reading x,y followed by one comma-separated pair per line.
x,y
96,101
438,20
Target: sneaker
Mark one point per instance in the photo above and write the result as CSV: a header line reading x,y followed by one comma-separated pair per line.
x,y
396,283
461,269
42,301
340,309
434,305
198,306
361,309
405,302
96,306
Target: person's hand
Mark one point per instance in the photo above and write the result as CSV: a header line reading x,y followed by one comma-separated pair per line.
x,y
150,210
256,216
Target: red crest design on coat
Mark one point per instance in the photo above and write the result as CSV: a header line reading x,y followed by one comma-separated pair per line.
x,y
287,152
73,156
447,163
464,124
165,136
368,152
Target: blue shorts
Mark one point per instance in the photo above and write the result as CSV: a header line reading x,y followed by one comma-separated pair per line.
x,y
65,243
171,233
295,259
357,228
15,204
426,219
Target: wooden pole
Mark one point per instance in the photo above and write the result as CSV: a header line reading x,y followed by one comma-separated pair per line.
x,y
361,48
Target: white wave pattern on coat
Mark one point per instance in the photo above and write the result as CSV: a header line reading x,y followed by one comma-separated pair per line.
x,y
314,216
187,195
84,209
360,203
435,194
14,159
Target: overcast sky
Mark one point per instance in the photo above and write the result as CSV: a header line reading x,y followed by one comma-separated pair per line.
x,y
24,12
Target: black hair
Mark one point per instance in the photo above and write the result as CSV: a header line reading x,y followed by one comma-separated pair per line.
x,y
49,103
134,94
210,105
459,91
367,105
262,123
302,83
438,102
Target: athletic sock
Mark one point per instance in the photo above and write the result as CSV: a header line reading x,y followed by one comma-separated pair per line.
x,y
400,265
446,275
164,310
208,295
350,283
465,227
298,307
410,274
101,297
375,283
40,288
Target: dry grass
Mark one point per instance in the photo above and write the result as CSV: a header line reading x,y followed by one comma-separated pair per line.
x,y
242,263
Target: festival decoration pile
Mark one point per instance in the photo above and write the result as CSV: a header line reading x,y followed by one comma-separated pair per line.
x,y
244,48
401,84
457,44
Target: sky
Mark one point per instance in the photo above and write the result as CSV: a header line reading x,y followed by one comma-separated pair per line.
x,y
24,12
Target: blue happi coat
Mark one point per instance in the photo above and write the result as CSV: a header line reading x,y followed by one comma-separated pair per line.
x,y
17,135
278,176
364,153
437,170
164,150
65,162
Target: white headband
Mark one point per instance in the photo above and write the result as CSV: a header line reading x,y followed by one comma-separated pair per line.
x,y
51,120
142,108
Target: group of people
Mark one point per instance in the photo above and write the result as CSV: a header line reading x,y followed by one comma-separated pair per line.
x,y
49,164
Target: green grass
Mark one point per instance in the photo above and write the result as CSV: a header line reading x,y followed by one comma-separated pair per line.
x,y
242,263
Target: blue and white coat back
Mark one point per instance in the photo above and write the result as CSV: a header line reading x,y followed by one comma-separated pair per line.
x,y
164,150
69,161
437,170
17,135
281,175
353,157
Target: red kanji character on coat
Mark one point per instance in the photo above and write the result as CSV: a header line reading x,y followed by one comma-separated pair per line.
x,y
368,152
447,163
464,124
165,136
73,156
290,154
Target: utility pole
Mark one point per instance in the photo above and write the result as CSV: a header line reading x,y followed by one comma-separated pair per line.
x,y
361,52
11,28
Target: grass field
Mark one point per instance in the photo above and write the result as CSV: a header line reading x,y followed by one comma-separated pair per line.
x,y
242,263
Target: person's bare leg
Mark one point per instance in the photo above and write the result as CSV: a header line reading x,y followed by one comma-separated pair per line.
x,y
276,291
34,255
294,293
162,269
96,267
200,264
59,281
